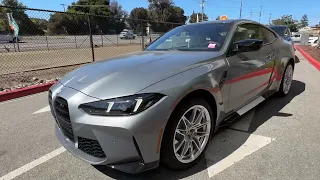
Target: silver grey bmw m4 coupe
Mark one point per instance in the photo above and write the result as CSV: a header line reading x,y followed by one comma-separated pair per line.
x,y
163,104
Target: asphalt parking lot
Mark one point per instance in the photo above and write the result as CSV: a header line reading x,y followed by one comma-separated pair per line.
x,y
279,139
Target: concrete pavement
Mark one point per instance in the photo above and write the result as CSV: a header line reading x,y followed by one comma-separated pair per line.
x,y
279,139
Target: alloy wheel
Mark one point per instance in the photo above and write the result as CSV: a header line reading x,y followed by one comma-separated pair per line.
x,y
192,134
287,79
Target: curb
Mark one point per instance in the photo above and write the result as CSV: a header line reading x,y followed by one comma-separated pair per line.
x,y
4,96
312,60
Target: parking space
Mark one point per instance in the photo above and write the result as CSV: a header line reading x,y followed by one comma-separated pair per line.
x,y
279,139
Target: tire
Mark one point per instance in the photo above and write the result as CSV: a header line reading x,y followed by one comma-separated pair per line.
x,y
168,155
283,91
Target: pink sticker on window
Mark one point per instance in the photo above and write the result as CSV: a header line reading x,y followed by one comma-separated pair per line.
x,y
212,45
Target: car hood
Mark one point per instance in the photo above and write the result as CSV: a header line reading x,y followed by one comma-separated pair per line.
x,y
128,74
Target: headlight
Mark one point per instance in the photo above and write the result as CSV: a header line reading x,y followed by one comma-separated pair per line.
x,y
121,106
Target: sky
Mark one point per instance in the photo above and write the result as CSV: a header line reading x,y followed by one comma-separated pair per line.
x,y
214,8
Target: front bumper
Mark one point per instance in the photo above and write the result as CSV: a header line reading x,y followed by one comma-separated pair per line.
x,y
129,143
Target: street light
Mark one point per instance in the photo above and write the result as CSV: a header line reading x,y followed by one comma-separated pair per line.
x,y
64,9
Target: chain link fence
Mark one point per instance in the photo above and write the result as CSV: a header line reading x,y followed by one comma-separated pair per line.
x,y
51,43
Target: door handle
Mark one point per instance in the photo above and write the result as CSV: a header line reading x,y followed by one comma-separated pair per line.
x,y
270,56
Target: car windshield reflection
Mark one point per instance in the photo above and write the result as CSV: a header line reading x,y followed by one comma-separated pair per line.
x,y
196,37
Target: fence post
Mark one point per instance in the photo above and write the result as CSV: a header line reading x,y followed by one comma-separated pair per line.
x,y
117,39
101,38
142,40
75,41
47,42
91,41
14,43
17,41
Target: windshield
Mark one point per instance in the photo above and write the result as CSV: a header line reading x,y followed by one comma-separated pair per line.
x,y
195,37
279,30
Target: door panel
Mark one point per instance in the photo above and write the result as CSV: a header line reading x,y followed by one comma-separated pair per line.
x,y
248,73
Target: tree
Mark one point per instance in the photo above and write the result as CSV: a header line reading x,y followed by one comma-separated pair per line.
x,y
3,26
3,23
163,11
41,23
105,17
218,18
193,17
138,13
288,21
304,22
26,26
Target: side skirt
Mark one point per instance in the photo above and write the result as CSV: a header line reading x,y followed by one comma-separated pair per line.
x,y
235,115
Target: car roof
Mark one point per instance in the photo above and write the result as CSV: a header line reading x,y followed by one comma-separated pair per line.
x,y
223,21
277,26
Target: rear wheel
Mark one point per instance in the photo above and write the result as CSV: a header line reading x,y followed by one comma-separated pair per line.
x,y
187,134
286,80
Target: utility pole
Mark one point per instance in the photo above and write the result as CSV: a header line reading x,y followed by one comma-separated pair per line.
x,y
240,9
260,13
270,18
251,13
202,7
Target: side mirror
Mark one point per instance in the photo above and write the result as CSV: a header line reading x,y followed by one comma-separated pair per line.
x,y
247,45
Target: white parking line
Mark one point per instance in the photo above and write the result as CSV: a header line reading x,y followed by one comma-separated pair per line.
x,y
33,164
45,109
231,147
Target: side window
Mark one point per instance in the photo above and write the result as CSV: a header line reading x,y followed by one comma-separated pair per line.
x,y
269,36
248,31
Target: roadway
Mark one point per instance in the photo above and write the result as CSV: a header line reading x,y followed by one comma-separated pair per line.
x,y
279,139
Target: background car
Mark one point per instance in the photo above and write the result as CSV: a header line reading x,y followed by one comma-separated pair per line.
x,y
313,42
296,37
8,37
164,104
126,34
283,31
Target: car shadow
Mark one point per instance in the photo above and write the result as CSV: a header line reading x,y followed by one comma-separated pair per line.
x,y
224,143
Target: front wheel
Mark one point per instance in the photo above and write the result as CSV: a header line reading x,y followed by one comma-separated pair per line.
x,y
187,134
286,80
